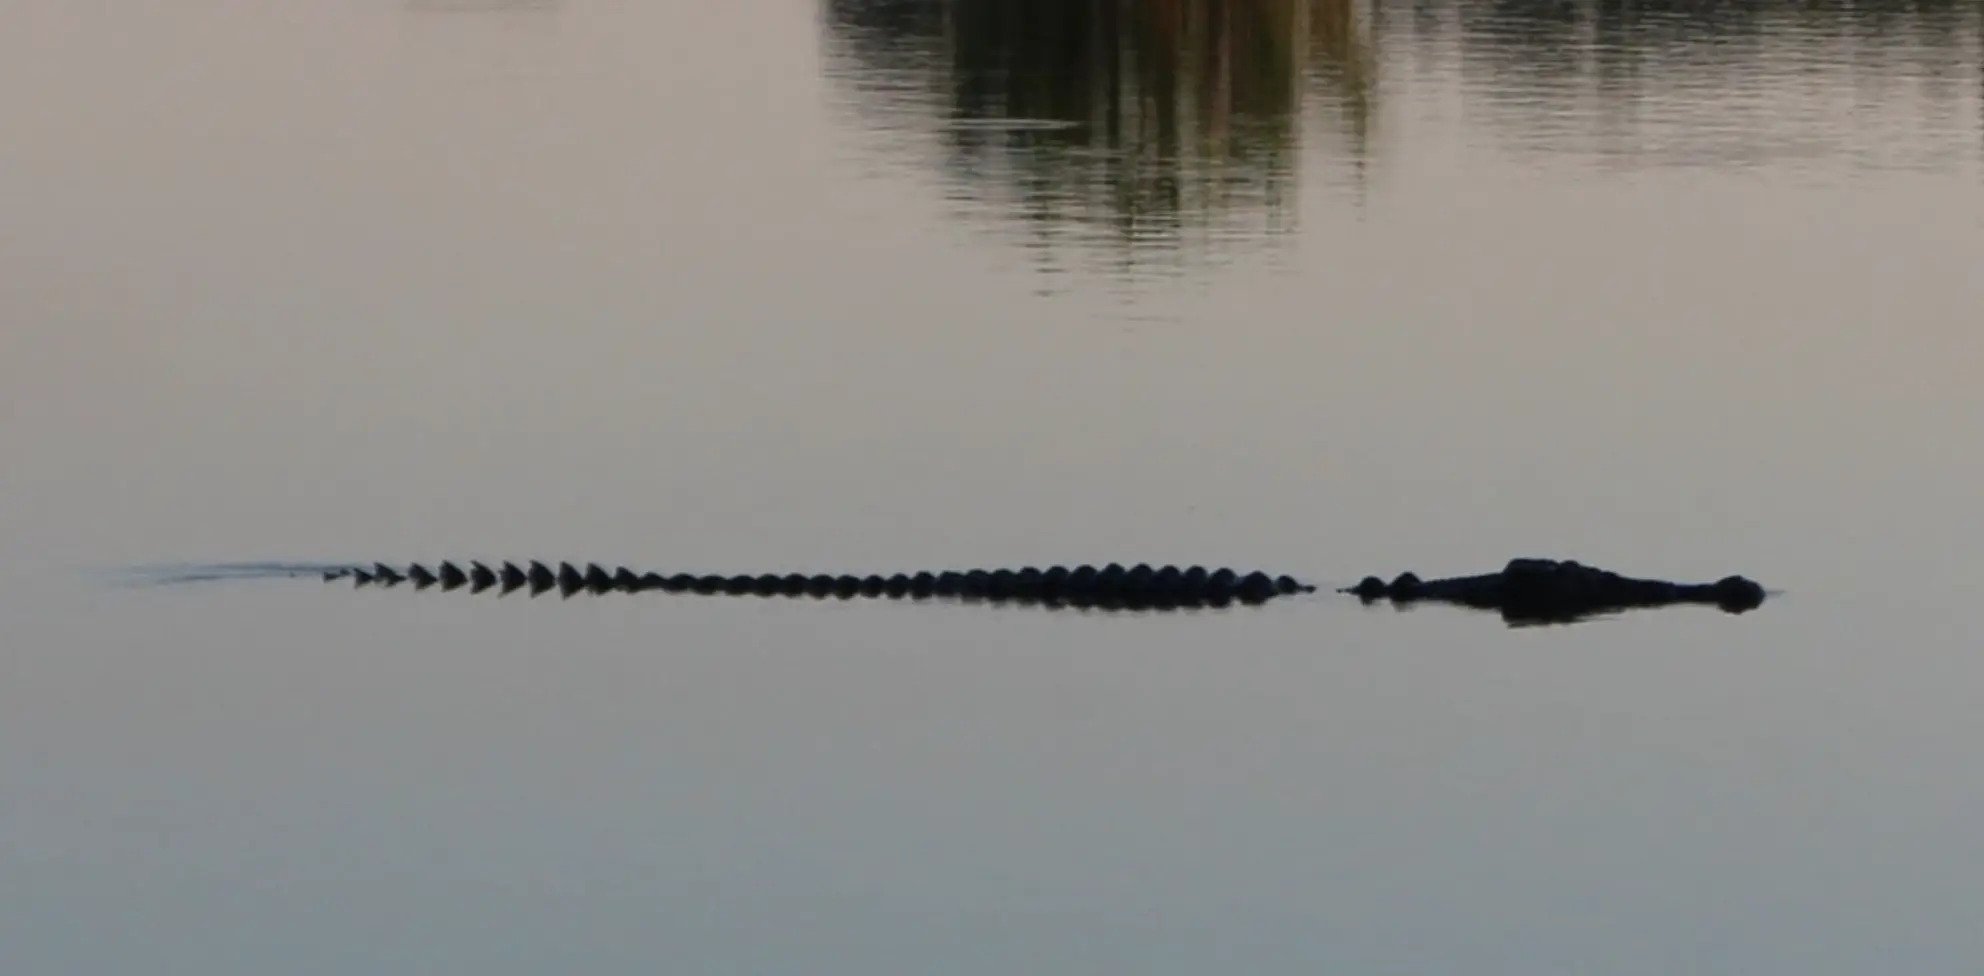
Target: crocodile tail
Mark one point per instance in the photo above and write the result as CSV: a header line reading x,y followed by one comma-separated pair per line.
x,y
1141,587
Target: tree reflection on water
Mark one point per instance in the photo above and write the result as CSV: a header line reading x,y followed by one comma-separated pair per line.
x,y
1161,128
1154,131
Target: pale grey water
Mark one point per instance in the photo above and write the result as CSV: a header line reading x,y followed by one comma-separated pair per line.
x,y
727,287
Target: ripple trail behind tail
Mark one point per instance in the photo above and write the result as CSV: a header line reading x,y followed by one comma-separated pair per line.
x,y
177,574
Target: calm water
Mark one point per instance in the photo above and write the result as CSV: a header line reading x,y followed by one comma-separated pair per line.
x,y
1684,290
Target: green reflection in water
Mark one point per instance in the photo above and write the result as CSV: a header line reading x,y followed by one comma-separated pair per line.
x,y
1159,133
1151,131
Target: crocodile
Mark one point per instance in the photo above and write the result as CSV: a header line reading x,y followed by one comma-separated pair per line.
x,y
1531,591
1525,591
1110,587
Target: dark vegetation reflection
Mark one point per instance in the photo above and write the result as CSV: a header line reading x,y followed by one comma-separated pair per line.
x,y
1733,84
1157,129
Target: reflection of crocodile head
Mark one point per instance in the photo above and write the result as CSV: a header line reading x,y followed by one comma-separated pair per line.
x,y
1169,125
1553,591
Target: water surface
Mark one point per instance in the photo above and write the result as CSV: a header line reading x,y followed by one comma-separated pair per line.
x,y
1319,288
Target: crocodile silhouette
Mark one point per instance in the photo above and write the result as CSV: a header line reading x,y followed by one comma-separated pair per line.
x,y
1526,591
